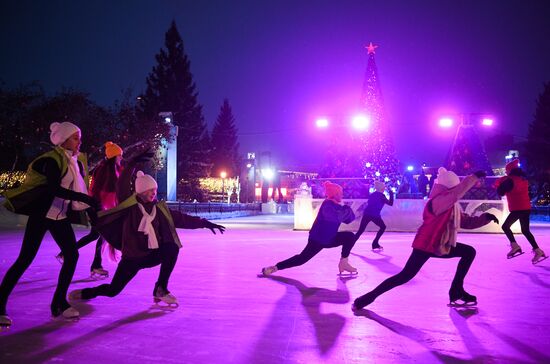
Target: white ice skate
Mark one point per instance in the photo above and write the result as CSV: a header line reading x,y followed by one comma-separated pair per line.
x,y
344,266
5,322
539,256
267,271
70,314
165,299
99,273
515,251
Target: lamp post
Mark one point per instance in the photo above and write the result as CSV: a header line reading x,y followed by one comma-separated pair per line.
x,y
223,175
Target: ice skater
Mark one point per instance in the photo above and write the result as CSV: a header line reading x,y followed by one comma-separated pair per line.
x,y
54,195
324,233
102,188
376,202
516,189
436,238
145,230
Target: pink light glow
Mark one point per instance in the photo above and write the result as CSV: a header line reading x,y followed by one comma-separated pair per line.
x,y
321,123
360,122
487,122
445,122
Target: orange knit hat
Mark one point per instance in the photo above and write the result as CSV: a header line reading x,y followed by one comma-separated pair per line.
x,y
112,150
332,190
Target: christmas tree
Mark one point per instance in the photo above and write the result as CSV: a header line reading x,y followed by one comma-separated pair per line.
x,y
225,146
467,154
366,154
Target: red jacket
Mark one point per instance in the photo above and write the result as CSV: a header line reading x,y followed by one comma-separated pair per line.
x,y
518,197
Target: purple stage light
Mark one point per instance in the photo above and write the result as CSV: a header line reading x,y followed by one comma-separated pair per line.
x,y
321,123
410,168
360,122
487,122
445,122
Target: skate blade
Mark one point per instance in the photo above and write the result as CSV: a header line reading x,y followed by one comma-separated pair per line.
x,y
462,304
99,277
62,318
377,250
165,306
540,260
347,274
515,255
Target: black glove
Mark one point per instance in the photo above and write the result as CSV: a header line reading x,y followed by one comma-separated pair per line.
x,y
212,226
491,217
94,204
480,174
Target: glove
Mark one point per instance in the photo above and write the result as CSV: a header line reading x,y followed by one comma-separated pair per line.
x,y
480,174
212,226
491,217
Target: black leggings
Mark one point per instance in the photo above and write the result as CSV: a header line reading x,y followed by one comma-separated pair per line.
x,y
166,255
63,234
85,240
413,265
523,217
345,238
365,221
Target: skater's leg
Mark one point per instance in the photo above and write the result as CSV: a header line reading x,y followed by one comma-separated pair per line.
x,y
347,240
126,270
312,249
34,233
382,228
363,225
168,257
467,255
506,226
413,265
87,239
524,223
97,255
63,234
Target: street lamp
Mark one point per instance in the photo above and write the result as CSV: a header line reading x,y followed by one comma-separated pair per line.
x,y
223,175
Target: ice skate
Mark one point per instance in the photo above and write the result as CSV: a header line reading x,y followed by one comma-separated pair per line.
x,y
70,314
515,251
165,299
344,266
267,271
59,258
5,322
99,273
539,256
377,248
461,299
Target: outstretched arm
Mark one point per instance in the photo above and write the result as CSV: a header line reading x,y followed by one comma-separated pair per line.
x,y
184,221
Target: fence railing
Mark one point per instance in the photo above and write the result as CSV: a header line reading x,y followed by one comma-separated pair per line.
x,y
214,207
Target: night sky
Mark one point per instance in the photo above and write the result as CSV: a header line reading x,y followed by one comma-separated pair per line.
x,y
281,64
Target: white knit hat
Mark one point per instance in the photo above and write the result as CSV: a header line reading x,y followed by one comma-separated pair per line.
x,y
144,182
447,178
59,132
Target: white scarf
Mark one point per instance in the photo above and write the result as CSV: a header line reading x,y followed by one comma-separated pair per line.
x,y
146,226
78,184
449,236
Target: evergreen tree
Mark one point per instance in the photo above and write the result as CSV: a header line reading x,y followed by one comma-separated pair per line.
x,y
467,155
369,154
225,147
538,139
170,88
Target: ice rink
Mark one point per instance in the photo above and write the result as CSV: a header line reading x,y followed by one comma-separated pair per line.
x,y
301,315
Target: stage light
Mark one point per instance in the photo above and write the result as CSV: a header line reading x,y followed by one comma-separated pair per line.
x,y
268,174
360,122
410,168
487,122
445,122
322,123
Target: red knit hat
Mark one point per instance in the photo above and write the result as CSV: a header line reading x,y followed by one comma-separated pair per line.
x,y
512,165
112,150
332,190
